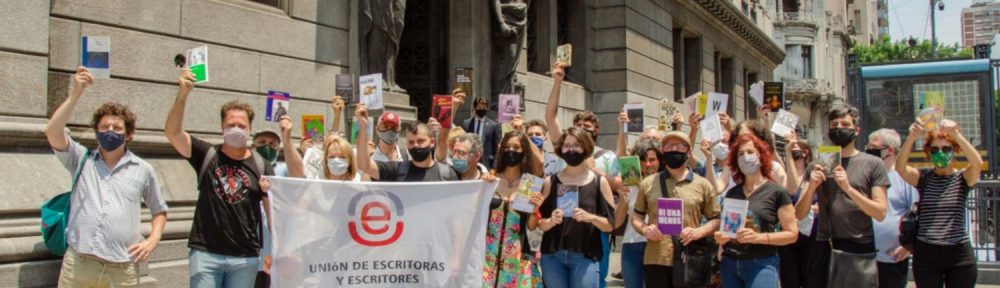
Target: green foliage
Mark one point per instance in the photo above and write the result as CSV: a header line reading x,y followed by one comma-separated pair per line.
x,y
884,50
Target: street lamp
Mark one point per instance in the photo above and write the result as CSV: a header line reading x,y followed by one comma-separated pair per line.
x,y
940,6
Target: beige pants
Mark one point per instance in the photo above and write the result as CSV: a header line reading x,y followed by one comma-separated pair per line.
x,y
79,270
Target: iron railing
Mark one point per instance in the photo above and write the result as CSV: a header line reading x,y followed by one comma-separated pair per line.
x,y
982,218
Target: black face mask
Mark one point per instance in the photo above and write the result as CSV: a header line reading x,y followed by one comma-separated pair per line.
x,y
842,136
798,155
420,154
674,159
481,112
512,158
876,152
573,158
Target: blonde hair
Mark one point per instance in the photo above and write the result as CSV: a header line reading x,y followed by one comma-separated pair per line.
x,y
345,150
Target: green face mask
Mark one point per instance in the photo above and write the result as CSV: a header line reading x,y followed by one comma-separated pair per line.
x,y
940,159
270,154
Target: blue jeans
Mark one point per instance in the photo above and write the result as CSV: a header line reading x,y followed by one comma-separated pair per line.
x,y
606,248
632,255
210,270
761,272
565,269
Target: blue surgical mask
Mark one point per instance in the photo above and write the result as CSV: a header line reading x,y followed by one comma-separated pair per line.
x,y
109,140
538,141
460,165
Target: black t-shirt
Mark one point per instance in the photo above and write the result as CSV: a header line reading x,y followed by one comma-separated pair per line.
x,y
762,217
574,236
227,218
389,172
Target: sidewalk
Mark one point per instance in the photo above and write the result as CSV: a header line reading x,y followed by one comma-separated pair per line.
x,y
615,265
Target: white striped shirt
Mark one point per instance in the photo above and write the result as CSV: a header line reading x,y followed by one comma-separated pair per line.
x,y
942,208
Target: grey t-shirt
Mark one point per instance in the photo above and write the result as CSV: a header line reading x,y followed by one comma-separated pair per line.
x,y
848,221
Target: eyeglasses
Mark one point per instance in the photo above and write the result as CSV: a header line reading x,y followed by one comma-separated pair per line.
x,y
576,146
935,149
460,154
674,147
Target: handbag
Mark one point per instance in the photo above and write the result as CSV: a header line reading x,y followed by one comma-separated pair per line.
x,y
694,264
908,225
54,214
852,270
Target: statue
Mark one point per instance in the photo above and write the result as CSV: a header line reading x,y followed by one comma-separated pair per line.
x,y
510,19
381,27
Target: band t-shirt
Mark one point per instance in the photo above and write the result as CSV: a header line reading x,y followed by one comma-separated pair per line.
x,y
227,218
762,217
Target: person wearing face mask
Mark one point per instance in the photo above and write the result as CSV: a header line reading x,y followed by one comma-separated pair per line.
x,y
487,129
698,198
538,134
268,145
893,259
509,258
110,185
751,259
633,242
795,257
942,255
848,201
464,153
716,153
603,162
225,238
420,144
571,246
388,136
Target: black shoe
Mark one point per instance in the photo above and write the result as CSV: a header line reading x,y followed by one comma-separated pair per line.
x,y
617,276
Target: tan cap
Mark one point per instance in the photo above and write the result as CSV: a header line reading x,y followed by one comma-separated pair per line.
x,y
678,135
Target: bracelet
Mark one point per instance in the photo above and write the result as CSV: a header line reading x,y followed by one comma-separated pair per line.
x,y
768,239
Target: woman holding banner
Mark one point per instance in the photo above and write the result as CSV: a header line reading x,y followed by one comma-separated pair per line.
x,y
751,258
508,255
571,246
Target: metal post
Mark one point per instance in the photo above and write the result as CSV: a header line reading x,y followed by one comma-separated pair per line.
x,y
933,31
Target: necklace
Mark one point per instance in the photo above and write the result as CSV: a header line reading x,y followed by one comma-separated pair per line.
x,y
511,184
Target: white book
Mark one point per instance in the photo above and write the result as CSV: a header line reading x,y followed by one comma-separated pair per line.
x,y
717,102
757,93
784,123
711,128
734,215
97,56
371,90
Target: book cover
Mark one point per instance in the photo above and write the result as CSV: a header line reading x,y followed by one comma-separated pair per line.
x,y
568,199
463,80
757,93
509,106
276,106
691,103
529,185
702,104
930,99
716,102
711,128
784,123
197,61
829,158
506,128
634,112
313,127
441,110
670,216
734,215
97,56
371,90
931,116
630,170
564,54
774,95
667,111
345,88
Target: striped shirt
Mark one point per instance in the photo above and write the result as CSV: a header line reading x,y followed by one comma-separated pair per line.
x,y
942,208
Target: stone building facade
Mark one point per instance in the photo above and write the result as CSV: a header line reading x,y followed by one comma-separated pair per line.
x,y
624,51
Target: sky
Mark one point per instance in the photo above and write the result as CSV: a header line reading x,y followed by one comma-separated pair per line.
x,y
909,18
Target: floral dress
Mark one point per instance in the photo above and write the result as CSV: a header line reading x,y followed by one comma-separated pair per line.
x,y
507,262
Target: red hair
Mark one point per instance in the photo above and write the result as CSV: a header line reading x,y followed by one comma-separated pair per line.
x,y
937,134
766,157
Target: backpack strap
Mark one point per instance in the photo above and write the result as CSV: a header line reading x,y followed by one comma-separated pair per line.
x,y
209,156
664,189
446,171
79,170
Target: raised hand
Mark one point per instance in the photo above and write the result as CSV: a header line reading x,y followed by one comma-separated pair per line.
x,y
337,103
917,129
558,73
186,81
82,80
950,128
361,112
285,123
622,117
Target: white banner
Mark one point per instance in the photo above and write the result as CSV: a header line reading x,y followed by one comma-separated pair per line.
x,y
343,234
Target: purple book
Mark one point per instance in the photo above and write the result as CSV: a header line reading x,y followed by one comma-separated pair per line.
x,y
670,216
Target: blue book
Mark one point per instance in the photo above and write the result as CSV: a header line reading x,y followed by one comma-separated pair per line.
x,y
96,55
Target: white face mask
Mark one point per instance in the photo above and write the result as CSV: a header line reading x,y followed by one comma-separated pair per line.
x,y
235,137
720,151
338,166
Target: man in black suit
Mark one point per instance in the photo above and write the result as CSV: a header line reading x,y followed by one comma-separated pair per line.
x,y
487,129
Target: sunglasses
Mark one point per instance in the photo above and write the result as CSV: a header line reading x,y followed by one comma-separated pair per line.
x,y
945,149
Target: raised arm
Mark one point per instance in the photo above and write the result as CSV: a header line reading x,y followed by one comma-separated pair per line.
x,y
552,107
174,129
622,149
805,200
365,162
338,113
793,180
457,99
909,174
292,157
55,129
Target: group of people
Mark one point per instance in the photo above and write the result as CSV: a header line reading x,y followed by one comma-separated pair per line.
x,y
804,221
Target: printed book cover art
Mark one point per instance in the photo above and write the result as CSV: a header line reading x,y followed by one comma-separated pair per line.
x,y
569,199
276,106
634,112
734,215
670,216
829,158
630,170
529,185
441,110
312,127
97,56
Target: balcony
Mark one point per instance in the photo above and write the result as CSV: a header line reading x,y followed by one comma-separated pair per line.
x,y
805,23
806,90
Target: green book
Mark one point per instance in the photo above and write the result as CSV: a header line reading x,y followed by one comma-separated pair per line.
x,y
197,61
630,169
